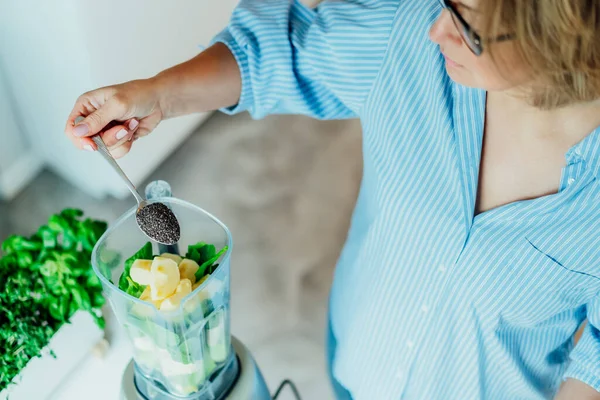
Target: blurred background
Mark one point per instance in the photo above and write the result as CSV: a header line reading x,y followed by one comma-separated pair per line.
x,y
285,185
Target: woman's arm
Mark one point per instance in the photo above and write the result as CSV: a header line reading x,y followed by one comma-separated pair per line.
x,y
319,62
573,389
206,82
582,378
274,57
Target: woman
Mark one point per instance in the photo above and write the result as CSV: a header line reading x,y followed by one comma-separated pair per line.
x,y
473,255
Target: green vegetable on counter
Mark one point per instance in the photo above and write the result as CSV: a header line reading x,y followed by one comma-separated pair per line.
x,y
46,278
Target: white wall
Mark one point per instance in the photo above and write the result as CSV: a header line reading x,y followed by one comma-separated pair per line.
x,y
56,50
12,142
18,163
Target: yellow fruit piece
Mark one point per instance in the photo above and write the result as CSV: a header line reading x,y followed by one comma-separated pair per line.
x,y
142,310
165,278
184,287
140,272
173,257
145,294
187,269
172,302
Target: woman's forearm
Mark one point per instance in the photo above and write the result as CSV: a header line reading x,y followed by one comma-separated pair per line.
x,y
574,389
209,81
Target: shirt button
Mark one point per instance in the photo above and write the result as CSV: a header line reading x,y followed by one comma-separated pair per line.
x,y
442,269
425,308
410,344
571,181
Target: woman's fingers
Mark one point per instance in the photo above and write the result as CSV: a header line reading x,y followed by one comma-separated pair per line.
x,y
147,125
83,107
119,134
114,136
119,114
87,104
88,117
121,150
95,122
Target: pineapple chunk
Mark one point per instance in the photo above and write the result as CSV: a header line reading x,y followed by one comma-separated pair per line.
x,y
140,272
146,296
142,310
173,257
187,269
165,278
172,302
185,287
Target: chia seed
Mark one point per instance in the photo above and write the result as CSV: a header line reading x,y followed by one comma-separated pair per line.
x,y
159,223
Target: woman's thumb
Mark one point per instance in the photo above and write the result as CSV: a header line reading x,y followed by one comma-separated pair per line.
x,y
96,121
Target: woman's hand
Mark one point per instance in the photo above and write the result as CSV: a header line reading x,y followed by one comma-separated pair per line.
x,y
120,114
125,112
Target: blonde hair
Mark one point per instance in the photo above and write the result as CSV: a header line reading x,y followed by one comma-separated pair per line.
x,y
558,39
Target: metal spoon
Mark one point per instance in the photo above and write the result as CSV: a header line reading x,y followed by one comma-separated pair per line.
x,y
154,219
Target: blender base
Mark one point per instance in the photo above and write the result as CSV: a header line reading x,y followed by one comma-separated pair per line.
x,y
250,384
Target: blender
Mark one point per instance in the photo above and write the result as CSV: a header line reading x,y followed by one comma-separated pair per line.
x,y
189,352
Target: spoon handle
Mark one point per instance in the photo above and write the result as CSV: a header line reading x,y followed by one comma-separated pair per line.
x,y
103,150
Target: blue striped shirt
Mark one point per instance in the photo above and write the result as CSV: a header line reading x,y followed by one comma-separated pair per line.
x,y
430,301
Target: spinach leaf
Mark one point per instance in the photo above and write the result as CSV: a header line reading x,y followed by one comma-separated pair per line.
x,y
200,252
145,253
134,289
209,263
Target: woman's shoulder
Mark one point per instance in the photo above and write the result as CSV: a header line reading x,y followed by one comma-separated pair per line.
x,y
413,63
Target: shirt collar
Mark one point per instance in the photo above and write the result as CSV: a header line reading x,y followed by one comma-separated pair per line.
x,y
587,150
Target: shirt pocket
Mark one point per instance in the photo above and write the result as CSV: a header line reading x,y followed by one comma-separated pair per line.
x,y
577,255
546,284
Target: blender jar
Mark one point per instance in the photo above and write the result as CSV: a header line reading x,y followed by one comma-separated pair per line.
x,y
186,352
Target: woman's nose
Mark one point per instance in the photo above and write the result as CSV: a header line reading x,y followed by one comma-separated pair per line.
x,y
444,30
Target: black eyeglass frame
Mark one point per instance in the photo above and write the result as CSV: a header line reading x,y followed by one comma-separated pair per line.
x,y
471,38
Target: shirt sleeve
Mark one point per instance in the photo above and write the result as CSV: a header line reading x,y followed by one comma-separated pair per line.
x,y
319,62
585,357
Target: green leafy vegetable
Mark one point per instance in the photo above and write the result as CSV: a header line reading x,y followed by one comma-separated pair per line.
x,y
134,289
45,278
210,263
205,255
126,284
200,252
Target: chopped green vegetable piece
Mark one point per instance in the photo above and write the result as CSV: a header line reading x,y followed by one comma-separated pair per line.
x,y
134,288
46,278
145,253
209,264
200,252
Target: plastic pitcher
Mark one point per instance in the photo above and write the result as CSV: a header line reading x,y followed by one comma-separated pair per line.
x,y
184,353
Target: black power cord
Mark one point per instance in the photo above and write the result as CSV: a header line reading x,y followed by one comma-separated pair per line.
x,y
292,387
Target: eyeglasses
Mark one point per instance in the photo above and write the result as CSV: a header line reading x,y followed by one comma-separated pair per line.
x,y
471,38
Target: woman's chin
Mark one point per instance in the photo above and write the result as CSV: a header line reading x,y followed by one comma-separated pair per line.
x,y
459,75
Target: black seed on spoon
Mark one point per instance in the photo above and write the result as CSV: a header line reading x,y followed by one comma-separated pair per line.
x,y
159,223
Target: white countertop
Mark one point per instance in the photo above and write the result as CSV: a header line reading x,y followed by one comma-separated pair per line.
x,y
99,378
